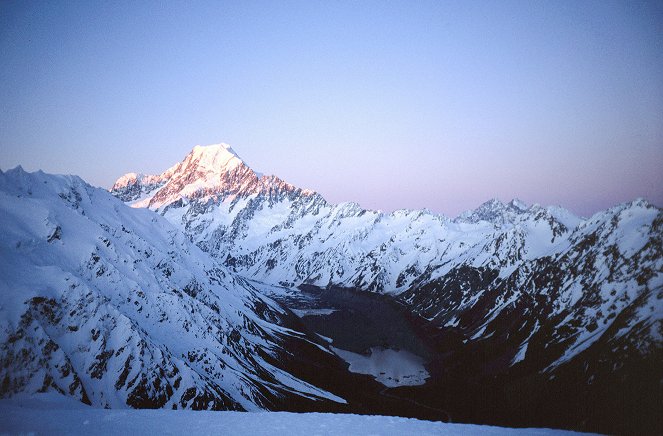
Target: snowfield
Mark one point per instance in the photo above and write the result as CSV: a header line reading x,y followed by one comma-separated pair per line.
x,y
54,414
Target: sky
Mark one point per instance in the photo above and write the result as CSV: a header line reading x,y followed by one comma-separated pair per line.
x,y
415,104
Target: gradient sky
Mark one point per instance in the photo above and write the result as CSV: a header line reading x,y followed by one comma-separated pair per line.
x,y
390,104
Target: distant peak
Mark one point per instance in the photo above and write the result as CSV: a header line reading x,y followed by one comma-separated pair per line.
x,y
638,203
492,203
518,204
641,202
127,178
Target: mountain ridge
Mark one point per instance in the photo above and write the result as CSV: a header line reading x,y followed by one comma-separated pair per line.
x,y
124,185
519,301
537,291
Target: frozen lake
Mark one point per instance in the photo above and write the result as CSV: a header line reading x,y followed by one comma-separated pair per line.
x,y
370,332
390,367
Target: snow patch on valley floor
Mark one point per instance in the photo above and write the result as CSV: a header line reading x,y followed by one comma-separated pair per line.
x,y
46,414
390,367
312,312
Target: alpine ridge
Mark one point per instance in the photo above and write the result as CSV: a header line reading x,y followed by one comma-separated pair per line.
x,y
225,289
564,302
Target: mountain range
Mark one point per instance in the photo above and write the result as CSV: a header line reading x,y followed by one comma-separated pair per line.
x,y
530,315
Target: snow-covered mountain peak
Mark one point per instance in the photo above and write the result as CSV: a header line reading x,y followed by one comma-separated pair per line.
x,y
637,206
518,204
127,179
216,157
640,203
518,213
492,211
213,149
208,173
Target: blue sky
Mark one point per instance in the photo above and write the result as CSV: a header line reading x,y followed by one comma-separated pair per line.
x,y
390,104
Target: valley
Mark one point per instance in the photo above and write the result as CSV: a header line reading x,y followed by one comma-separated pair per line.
x,y
520,314
373,333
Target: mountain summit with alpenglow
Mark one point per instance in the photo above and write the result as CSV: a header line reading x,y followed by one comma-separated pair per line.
x,y
216,158
208,172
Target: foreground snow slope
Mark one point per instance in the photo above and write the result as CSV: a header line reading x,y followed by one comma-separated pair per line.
x,y
50,415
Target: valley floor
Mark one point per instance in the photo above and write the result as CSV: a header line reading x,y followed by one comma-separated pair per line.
x,y
54,414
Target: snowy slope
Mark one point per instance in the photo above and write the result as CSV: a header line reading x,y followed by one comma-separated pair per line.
x,y
50,415
113,306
